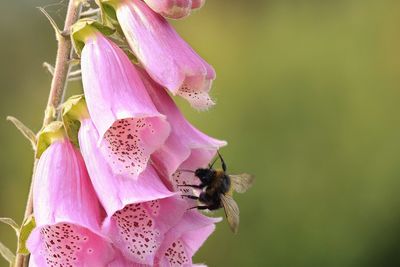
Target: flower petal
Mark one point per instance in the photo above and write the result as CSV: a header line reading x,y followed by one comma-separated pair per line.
x,y
66,244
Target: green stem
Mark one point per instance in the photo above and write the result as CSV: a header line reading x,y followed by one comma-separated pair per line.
x,y
57,89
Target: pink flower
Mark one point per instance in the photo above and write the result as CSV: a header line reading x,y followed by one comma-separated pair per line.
x,y
174,9
67,212
130,127
185,142
182,241
168,59
140,211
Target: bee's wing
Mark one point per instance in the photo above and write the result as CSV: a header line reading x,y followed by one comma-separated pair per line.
x,y
241,182
231,212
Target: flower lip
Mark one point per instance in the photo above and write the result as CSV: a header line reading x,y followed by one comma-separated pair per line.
x,y
69,243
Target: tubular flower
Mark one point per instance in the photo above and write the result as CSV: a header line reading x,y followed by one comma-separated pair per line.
x,y
140,211
183,140
130,127
67,212
168,59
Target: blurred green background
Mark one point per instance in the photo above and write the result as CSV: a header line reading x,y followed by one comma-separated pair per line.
x,y
308,98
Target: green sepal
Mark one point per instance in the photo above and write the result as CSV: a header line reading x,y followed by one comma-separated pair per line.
x,y
112,4
84,28
27,227
52,132
107,12
73,111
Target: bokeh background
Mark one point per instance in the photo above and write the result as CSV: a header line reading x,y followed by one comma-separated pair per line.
x,y
308,98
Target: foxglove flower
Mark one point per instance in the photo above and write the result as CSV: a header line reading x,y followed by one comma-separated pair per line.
x,y
130,127
184,143
168,59
140,211
67,212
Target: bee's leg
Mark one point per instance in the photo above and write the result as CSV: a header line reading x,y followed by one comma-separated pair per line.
x,y
200,186
212,164
190,196
222,161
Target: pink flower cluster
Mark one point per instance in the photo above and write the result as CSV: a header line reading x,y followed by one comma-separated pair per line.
x,y
115,200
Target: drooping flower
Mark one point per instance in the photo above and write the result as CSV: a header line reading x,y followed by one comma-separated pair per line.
x,y
140,211
130,127
67,212
174,9
168,59
185,142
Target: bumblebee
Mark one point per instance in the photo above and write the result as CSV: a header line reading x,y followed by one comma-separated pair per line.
x,y
217,188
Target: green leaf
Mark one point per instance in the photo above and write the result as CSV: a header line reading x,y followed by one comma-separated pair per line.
x,y
7,254
26,132
26,229
11,223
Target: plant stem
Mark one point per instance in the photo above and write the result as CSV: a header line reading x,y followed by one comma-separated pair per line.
x,y
58,85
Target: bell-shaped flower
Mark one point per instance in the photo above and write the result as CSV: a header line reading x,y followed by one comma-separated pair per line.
x,y
168,59
139,210
130,127
184,141
182,241
67,212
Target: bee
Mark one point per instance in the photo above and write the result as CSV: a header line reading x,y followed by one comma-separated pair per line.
x,y
217,188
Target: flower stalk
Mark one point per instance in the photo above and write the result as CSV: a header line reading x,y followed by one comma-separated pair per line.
x,y
58,85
